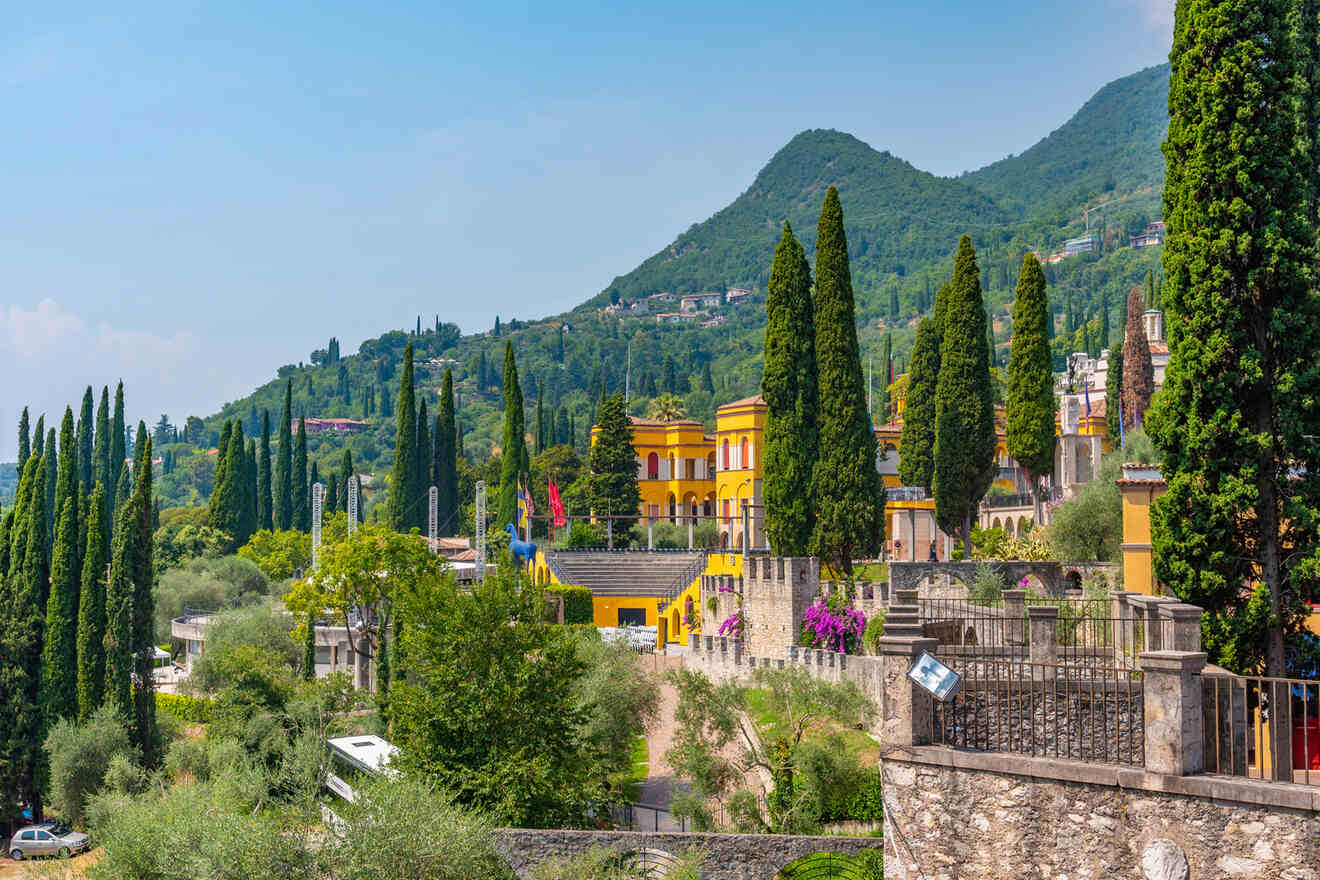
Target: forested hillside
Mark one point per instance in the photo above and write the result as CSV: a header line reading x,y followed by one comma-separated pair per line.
x,y
902,226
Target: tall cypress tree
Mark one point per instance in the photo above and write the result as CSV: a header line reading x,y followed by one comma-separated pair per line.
x,y
302,506
1113,395
117,436
59,658
964,405
423,454
39,437
1237,417
886,357
845,485
612,486
916,464
119,616
332,494
515,443
86,429
24,441
22,635
265,516
446,463
1138,373
52,477
250,500
563,427
1030,405
403,479
789,386
101,472
226,511
66,482
540,419
309,650
282,500
91,611
346,472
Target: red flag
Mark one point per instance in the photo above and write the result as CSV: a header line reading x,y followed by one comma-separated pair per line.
x,y
557,505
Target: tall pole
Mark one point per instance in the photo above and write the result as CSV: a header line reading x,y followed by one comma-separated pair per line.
x,y
318,496
352,505
868,386
432,520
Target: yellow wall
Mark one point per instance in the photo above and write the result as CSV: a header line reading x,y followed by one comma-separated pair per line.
x,y
739,483
1138,572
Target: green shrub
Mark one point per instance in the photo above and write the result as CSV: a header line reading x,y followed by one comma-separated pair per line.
x,y
80,755
577,603
194,709
584,535
987,586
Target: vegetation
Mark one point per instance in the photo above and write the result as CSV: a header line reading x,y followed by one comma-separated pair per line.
x,y
613,480
1138,376
1237,417
1031,405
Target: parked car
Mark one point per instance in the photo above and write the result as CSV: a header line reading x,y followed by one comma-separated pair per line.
x,y
47,839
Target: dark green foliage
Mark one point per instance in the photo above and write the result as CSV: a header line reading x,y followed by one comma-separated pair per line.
x,y
880,408
539,437
563,427
52,477
1139,375
86,427
59,658
331,494
612,486
964,407
346,469
916,464
282,501
1113,393
119,616
668,375
265,514
144,608
1031,405
423,455
91,611
302,506
1239,412
24,440
101,472
117,437
789,387
308,668
403,479
227,511
515,461
445,463
66,482
845,485
577,604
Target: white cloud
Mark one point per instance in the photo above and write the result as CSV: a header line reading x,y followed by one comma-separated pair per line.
x,y
50,355
1158,15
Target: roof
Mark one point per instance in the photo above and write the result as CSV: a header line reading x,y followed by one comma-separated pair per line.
x,y
756,400
369,752
1141,475
660,423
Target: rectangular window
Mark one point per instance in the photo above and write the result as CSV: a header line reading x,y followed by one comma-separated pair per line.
x,y
322,655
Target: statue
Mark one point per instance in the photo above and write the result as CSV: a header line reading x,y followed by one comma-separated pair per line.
x,y
524,550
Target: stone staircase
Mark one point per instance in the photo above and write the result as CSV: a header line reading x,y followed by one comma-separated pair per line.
x,y
628,572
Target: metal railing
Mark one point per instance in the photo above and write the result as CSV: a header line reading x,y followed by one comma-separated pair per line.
x,y
996,501
1082,713
977,626
1261,728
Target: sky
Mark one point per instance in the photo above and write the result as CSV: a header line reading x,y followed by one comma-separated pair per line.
x,y
196,193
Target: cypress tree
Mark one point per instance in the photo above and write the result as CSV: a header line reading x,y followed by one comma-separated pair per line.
x,y
1113,395
893,304
916,464
886,356
226,511
101,459
446,463
1030,405
59,658
707,382
964,406
66,482
24,441
563,429
346,469
789,386
250,501
222,455
124,490
39,437
86,427
18,534
331,494
117,435
668,375
1138,373
22,646
91,611
423,454
1237,416
846,487
1104,319
540,419
302,508
612,486
119,616
403,479
52,477
515,444
265,514
282,499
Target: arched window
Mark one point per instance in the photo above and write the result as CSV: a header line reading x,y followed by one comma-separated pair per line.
x,y
653,466
726,455
710,466
743,457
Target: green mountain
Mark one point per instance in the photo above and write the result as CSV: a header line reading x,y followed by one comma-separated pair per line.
x,y
897,216
902,224
1111,144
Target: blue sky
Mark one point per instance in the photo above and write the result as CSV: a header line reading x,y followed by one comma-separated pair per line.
x,y
197,193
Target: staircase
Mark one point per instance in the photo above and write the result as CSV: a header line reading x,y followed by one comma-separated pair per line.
x,y
663,574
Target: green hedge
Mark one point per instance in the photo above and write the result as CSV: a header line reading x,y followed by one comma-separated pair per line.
x,y
185,708
577,604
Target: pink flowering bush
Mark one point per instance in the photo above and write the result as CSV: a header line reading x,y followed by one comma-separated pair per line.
x,y
833,624
733,625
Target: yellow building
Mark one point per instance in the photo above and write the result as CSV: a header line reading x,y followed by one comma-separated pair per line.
x,y
739,453
675,469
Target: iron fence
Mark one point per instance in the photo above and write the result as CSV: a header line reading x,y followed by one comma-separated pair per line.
x,y
1084,713
1261,727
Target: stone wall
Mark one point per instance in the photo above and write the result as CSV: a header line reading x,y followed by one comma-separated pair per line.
x,y
956,814
727,856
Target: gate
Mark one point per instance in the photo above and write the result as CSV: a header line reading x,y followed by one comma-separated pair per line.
x,y
867,865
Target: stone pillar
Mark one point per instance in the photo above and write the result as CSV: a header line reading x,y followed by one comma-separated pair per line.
x,y
689,534
1015,617
1155,635
1171,689
650,535
906,707
1180,627
1122,624
1044,626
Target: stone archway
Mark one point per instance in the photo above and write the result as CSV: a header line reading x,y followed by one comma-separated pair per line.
x,y
910,575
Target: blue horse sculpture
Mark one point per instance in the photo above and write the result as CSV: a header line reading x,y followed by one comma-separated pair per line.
x,y
524,550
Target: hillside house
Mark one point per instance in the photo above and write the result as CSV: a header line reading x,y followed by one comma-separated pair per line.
x,y
697,301
337,426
